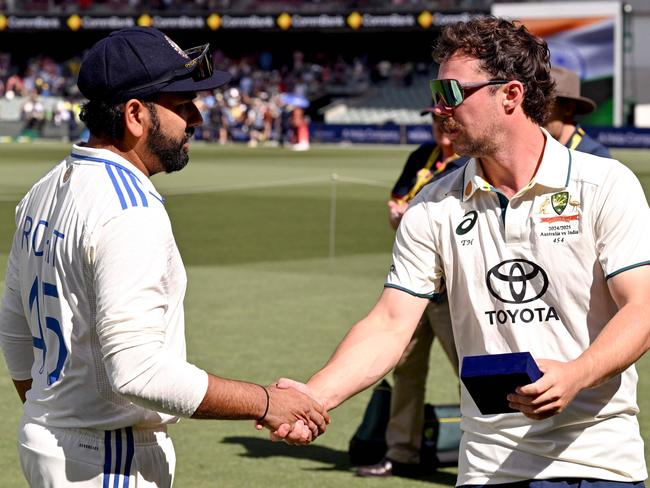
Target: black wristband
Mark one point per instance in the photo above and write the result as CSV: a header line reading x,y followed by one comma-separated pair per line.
x,y
268,401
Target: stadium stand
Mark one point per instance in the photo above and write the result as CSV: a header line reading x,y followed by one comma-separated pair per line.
x,y
235,6
386,101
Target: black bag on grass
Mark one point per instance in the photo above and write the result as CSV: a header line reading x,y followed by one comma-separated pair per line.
x,y
440,435
368,445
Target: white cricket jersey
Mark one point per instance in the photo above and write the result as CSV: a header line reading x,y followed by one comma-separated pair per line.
x,y
530,274
93,306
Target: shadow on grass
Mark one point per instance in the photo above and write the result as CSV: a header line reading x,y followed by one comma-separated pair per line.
x,y
333,459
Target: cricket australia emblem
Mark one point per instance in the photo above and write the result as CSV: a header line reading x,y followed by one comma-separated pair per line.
x,y
562,224
559,201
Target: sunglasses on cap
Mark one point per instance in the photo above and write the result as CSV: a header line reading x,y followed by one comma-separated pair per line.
x,y
199,57
200,62
451,93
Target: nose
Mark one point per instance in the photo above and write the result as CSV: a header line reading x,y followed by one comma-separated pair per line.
x,y
442,110
193,115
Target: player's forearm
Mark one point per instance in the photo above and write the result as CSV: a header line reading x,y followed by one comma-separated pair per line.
x,y
367,354
231,400
621,343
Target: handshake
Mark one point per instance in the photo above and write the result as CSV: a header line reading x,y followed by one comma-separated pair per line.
x,y
293,414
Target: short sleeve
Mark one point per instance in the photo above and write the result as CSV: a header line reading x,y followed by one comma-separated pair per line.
x,y
416,266
622,224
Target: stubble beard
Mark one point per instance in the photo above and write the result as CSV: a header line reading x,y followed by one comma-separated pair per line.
x,y
465,145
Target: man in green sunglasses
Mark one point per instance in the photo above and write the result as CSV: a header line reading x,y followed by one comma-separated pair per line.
x,y
544,251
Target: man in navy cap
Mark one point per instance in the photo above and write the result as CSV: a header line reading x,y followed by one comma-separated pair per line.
x,y
92,324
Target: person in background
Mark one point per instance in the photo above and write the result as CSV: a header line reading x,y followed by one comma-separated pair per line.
x,y
429,162
33,113
561,123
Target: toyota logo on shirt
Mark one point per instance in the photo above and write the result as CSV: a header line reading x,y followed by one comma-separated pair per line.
x,y
517,281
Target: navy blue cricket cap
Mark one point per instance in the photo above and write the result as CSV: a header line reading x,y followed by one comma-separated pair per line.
x,y
138,62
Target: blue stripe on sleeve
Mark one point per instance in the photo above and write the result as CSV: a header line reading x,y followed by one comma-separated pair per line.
x,y
118,190
118,457
107,458
130,451
127,186
136,185
157,197
101,160
122,170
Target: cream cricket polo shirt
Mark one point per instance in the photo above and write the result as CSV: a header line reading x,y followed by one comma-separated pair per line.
x,y
530,274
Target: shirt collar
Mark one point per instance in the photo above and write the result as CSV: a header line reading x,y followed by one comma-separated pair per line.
x,y
473,179
93,154
553,172
85,154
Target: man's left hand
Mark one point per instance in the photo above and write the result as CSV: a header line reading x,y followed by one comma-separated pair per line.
x,y
550,394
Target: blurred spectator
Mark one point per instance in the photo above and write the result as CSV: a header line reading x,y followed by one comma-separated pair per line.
x,y
254,122
250,108
285,130
301,130
217,121
33,114
66,114
14,87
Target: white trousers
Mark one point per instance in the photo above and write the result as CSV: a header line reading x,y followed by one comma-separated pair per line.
x,y
83,458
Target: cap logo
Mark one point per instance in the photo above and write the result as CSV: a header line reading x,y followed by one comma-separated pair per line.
x,y
176,48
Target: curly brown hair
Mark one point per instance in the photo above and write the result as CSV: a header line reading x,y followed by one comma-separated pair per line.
x,y
505,50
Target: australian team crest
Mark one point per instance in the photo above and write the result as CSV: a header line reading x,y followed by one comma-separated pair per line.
x,y
561,224
559,201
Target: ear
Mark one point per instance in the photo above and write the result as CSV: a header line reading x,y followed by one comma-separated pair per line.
x,y
513,95
136,118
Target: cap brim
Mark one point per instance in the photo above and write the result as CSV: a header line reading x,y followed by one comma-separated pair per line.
x,y
217,79
584,105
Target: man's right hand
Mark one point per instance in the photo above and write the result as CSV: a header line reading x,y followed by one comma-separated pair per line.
x,y
396,209
298,432
295,412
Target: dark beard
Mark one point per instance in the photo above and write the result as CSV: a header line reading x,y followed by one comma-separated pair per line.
x,y
169,152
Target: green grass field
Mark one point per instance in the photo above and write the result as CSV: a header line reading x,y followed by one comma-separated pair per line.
x,y
266,298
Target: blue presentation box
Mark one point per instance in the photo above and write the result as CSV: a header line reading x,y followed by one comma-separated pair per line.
x,y
490,378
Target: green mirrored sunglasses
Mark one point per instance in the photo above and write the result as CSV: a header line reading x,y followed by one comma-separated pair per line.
x,y
451,93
